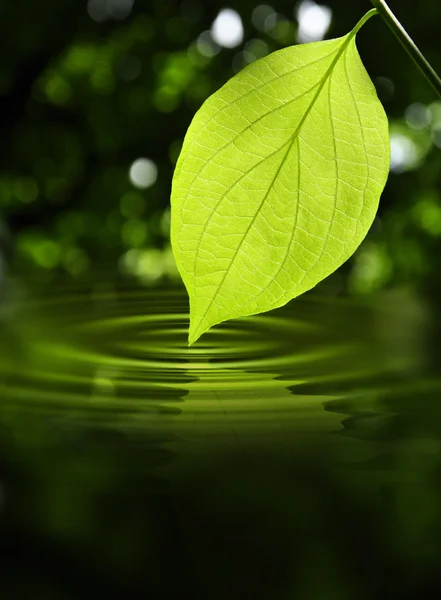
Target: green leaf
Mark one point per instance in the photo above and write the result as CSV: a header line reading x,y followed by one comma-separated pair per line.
x,y
278,180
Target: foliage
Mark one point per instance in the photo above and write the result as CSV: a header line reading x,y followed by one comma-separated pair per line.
x,y
278,181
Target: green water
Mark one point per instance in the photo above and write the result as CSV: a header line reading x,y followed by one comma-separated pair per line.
x,y
295,454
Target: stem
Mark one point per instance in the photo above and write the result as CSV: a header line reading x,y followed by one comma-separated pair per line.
x,y
408,44
363,20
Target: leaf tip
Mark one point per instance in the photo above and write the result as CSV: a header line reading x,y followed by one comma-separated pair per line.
x,y
196,330
193,336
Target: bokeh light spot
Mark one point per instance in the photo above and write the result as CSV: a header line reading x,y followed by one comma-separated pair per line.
x,y
134,233
46,254
418,116
75,261
373,269
256,48
206,45
314,21
227,29
165,99
102,79
283,31
435,114
57,90
262,16
147,265
143,173
80,59
427,214
404,153
26,189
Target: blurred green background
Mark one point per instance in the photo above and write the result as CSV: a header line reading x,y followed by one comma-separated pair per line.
x,y
95,100
313,434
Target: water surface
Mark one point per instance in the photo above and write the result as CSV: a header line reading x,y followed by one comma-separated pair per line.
x,y
119,442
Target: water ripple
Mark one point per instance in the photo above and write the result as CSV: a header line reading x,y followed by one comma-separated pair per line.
x,y
124,356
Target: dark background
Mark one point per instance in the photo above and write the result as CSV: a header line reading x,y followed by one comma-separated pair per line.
x,y
87,89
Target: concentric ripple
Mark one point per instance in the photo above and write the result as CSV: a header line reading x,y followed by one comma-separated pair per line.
x,y
123,356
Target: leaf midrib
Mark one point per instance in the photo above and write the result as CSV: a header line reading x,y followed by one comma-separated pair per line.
x,y
326,76
217,152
